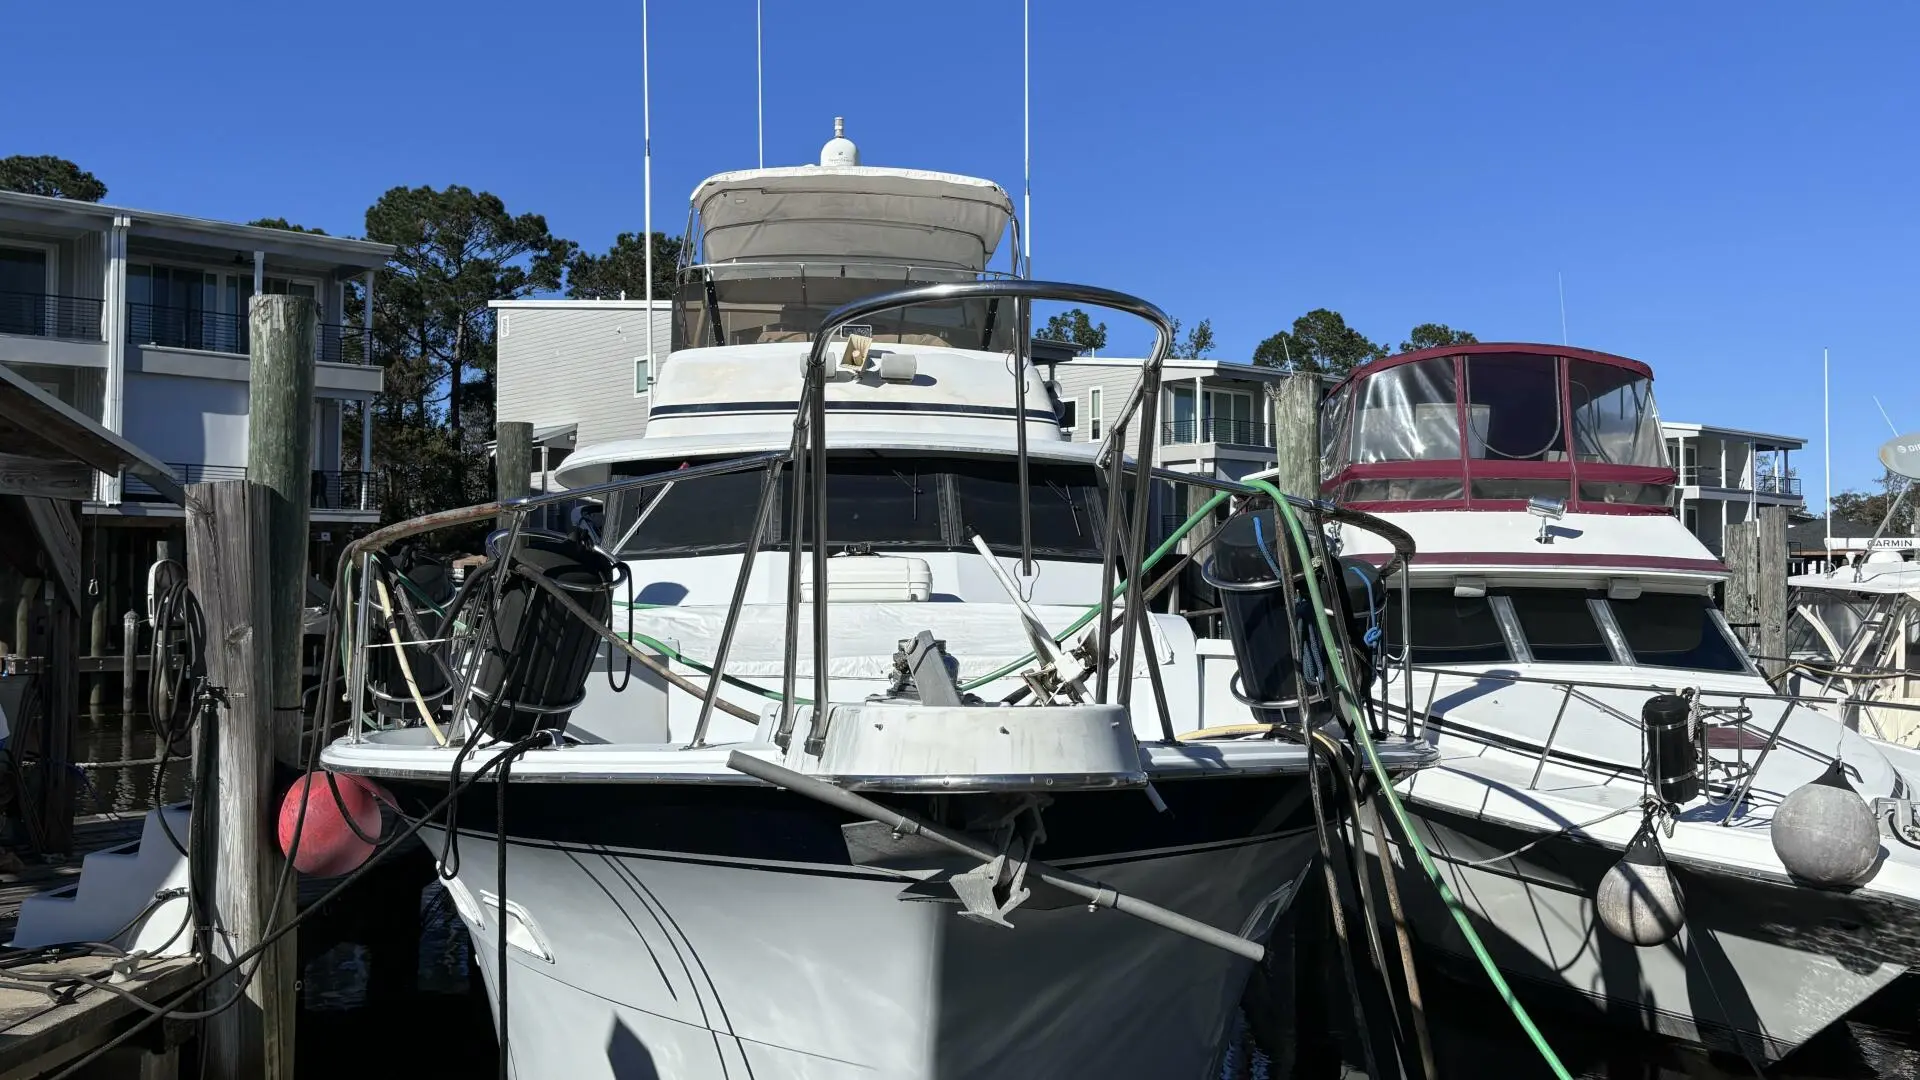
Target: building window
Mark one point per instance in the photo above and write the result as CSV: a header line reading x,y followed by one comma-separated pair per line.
x,y
1094,416
1180,427
1230,419
642,374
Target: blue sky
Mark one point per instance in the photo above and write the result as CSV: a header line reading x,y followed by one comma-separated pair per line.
x,y
1725,188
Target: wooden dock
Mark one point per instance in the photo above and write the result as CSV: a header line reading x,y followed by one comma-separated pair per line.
x,y
41,1032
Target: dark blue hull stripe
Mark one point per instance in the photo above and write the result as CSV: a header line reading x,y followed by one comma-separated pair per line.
x,y
726,408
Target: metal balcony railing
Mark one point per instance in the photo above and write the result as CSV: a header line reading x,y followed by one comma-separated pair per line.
x,y
213,331
186,328
342,344
185,472
1236,432
1766,483
46,315
333,489
344,489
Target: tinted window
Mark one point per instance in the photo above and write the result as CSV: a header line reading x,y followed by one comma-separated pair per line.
x,y
881,501
1448,629
1674,630
1559,627
1063,507
713,513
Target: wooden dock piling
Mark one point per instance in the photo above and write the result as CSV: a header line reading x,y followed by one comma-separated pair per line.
x,y
512,460
129,662
228,556
1296,435
1756,593
280,459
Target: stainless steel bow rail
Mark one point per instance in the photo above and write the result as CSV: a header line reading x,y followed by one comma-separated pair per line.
x,y
1123,560
806,457
1727,709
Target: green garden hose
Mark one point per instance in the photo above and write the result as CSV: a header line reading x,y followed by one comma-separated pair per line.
x,y
1358,723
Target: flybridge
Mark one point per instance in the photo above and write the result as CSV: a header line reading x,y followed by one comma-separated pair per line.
x,y
1492,426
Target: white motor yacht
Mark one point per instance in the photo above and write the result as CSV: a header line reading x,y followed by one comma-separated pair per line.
x,y
1853,634
935,826
1570,665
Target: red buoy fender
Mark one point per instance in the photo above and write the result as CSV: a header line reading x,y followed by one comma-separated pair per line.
x,y
328,844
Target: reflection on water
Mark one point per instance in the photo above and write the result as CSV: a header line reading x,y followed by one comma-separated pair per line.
x,y
1475,1035
118,755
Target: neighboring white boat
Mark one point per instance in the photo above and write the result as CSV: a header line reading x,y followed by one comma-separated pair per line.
x,y
1553,596
1854,633
703,877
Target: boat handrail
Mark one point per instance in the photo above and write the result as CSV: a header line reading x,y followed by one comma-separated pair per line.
x,y
1738,709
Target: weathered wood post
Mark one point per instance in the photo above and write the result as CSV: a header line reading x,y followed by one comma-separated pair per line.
x,y
229,555
129,660
512,460
1296,435
280,458
1739,550
23,616
1770,586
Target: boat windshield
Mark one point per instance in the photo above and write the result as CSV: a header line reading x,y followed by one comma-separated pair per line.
x,y
887,502
1565,626
1811,612
754,302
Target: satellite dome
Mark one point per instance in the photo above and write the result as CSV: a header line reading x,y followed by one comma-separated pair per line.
x,y
839,149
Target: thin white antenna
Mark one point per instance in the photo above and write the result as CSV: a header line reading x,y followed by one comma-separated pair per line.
x,y
1884,416
1026,129
759,87
646,143
1562,280
1826,438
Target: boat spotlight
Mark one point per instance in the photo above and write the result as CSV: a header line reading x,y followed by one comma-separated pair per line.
x,y
1548,511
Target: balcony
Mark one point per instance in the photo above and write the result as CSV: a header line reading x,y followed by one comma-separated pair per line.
x,y
1766,484
341,489
1214,430
213,331
44,315
135,488
333,489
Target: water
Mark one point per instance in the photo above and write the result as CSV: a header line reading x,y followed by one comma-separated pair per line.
x,y
1474,1034
118,754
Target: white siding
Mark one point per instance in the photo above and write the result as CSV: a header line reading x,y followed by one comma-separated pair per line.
x,y
187,420
1076,379
574,364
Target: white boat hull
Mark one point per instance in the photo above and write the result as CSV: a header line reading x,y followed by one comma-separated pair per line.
x,y
1758,968
674,964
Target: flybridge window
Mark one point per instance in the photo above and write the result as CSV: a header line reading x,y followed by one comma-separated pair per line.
x,y
1614,421
886,502
1448,629
1676,630
1407,413
752,303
